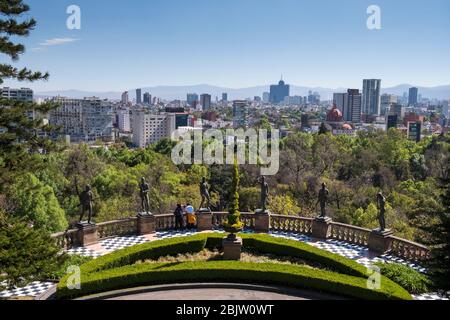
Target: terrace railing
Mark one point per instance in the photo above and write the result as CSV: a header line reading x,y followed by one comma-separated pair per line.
x,y
300,225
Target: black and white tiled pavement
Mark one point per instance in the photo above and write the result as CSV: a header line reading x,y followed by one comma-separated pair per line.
x,y
32,290
358,253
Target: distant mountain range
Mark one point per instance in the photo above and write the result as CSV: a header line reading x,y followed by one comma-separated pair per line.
x,y
179,92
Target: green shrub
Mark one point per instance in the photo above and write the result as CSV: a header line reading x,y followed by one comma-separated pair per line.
x,y
264,273
72,260
405,276
117,270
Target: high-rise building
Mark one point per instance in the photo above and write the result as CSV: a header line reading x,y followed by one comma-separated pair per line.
x,y
313,97
445,109
147,98
413,96
22,94
353,104
87,119
371,97
125,98
149,128
240,114
205,101
293,100
192,100
138,96
123,120
387,101
224,97
398,110
266,97
339,101
278,92
392,121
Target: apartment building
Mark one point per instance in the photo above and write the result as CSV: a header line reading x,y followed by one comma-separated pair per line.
x,y
149,127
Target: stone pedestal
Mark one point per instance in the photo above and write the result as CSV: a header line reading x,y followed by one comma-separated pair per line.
x,y
232,248
380,241
321,228
86,234
204,220
146,223
262,220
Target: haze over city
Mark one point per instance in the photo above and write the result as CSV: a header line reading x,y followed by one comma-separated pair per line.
x,y
238,44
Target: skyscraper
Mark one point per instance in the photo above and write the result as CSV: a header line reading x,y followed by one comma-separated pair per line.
x,y
413,96
278,92
371,97
224,97
192,99
352,103
125,97
138,96
266,97
147,98
339,101
205,101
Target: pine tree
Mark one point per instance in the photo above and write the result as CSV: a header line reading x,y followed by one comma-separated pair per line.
x,y
19,134
26,253
439,264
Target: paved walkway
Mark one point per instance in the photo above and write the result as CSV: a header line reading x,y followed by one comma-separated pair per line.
x,y
358,253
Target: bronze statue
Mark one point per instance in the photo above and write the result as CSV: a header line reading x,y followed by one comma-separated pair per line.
x,y
144,190
204,192
381,203
264,193
323,199
86,200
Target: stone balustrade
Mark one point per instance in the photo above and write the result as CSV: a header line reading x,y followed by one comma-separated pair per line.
x,y
409,250
291,224
350,234
262,223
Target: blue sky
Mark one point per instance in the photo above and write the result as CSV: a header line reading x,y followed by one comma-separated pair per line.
x,y
237,43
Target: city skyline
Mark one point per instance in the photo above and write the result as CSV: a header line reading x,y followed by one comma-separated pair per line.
x,y
256,40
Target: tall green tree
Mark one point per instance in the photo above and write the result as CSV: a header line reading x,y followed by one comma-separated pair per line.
x,y
439,264
21,136
26,253
38,203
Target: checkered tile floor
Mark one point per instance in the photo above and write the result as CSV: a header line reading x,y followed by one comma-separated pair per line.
x,y
117,243
32,290
85,252
358,253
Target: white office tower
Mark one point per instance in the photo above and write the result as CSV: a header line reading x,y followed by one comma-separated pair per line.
x,y
149,128
371,97
124,120
387,101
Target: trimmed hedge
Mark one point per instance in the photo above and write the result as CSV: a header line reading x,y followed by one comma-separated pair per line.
x,y
117,270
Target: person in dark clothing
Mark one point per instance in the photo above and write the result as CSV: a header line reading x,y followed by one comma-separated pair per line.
x,y
179,221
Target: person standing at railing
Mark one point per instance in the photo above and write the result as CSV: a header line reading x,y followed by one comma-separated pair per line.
x,y
190,216
179,221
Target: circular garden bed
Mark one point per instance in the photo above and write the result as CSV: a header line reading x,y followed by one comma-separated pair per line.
x,y
268,260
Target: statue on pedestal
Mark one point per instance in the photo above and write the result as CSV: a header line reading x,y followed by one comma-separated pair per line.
x,y
264,193
381,204
204,192
143,192
322,200
86,200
